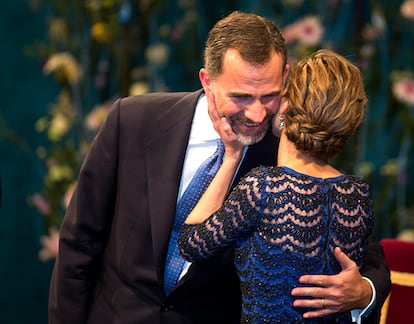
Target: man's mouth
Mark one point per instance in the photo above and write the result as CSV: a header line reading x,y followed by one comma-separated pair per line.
x,y
247,124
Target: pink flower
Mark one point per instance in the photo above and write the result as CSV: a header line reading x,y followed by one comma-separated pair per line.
x,y
371,33
177,33
100,81
407,9
290,33
68,195
50,245
308,31
40,203
403,90
97,116
367,50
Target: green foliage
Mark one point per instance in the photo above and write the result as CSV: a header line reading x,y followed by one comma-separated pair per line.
x,y
98,50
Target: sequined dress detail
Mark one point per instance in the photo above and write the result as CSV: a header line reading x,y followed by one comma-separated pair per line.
x,y
283,224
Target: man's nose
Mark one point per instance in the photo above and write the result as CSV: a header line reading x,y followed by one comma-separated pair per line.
x,y
256,112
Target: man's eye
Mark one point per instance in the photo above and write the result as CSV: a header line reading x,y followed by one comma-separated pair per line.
x,y
241,99
269,99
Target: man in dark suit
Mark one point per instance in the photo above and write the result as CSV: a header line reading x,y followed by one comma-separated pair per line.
x,y
115,236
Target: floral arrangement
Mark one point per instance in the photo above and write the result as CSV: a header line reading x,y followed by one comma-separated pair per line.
x,y
112,48
96,51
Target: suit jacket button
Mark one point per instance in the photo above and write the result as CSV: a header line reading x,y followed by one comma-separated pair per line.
x,y
166,308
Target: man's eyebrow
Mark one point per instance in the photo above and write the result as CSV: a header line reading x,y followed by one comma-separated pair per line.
x,y
273,93
242,94
238,94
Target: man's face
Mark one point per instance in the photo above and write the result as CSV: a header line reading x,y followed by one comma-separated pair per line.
x,y
248,95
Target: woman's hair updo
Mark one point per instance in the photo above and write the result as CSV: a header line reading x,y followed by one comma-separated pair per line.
x,y
326,103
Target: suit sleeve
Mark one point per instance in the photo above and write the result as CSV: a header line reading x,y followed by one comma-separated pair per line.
x,y
85,228
376,269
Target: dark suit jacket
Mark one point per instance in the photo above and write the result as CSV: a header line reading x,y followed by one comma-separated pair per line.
x,y
114,237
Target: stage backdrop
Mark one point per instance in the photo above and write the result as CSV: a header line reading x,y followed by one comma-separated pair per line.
x,y
62,63
24,95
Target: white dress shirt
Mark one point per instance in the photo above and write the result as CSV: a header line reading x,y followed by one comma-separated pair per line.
x,y
201,145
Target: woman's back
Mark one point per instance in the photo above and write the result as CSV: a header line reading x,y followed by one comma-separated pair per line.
x,y
284,224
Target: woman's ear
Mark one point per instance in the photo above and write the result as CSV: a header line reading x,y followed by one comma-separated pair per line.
x,y
278,119
284,106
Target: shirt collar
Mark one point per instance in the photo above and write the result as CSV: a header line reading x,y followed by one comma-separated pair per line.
x,y
202,129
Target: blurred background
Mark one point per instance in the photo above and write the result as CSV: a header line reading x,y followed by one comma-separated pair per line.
x,y
64,62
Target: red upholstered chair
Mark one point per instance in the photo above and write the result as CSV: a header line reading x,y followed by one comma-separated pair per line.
x,y
399,306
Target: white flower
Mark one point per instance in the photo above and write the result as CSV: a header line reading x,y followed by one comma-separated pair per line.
x,y
59,126
365,169
390,168
138,88
378,21
66,64
157,54
59,172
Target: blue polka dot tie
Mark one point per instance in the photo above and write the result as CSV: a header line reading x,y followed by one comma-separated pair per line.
x,y
201,179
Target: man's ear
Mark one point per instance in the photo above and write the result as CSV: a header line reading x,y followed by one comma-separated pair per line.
x,y
205,80
284,104
285,79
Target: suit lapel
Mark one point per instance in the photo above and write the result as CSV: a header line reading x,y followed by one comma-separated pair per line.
x,y
165,154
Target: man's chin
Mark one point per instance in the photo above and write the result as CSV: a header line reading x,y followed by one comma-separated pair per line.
x,y
250,139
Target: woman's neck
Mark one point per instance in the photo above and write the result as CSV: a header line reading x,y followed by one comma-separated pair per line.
x,y
289,156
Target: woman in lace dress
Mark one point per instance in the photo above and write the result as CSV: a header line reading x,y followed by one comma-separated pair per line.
x,y
286,220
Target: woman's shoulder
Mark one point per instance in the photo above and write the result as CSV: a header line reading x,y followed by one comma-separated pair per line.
x,y
355,181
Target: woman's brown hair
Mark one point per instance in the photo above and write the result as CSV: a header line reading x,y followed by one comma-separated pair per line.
x,y
327,102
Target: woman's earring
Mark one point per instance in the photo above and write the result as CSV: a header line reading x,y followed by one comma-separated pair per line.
x,y
281,122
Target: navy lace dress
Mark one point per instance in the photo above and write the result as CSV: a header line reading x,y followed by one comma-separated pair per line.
x,y
284,224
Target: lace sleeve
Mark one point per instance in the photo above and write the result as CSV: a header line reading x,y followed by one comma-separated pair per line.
x,y
233,221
